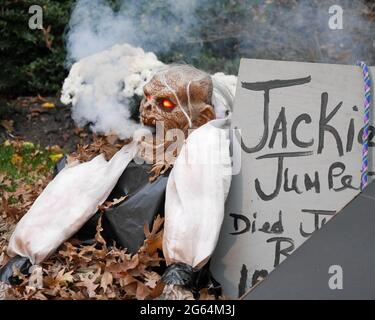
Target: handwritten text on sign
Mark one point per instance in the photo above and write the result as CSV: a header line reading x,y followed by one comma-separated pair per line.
x,y
299,127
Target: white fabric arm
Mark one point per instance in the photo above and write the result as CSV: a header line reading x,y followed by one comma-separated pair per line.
x,y
196,192
67,202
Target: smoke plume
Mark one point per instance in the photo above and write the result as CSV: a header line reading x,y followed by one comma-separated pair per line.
x,y
210,34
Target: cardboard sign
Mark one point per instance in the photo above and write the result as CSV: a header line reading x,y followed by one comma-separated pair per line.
x,y
299,136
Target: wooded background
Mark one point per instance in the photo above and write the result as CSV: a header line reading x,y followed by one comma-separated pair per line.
x,y
33,61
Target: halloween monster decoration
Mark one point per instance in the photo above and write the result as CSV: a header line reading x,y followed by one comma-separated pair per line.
x,y
178,97
181,98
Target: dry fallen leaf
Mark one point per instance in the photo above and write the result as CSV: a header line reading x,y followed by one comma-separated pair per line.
x,y
28,145
56,157
110,204
35,112
152,279
16,159
142,291
54,149
48,105
154,238
205,295
106,280
63,278
98,236
111,138
89,283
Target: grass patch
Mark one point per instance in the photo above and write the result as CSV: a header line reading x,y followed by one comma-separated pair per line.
x,y
25,162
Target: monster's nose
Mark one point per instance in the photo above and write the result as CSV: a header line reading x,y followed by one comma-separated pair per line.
x,y
146,106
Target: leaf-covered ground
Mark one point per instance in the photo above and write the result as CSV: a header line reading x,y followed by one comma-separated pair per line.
x,y
42,121
25,169
75,270
95,271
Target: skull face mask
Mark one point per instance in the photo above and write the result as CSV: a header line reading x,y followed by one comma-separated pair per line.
x,y
180,97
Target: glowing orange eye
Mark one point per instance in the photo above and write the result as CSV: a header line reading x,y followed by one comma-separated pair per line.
x,y
167,104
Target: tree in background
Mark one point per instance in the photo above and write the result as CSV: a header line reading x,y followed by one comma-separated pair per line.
x,y
213,36
32,60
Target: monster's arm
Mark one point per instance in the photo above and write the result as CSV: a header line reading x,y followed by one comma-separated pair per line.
x,y
195,196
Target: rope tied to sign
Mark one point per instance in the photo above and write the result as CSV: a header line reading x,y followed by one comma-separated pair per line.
x,y
366,123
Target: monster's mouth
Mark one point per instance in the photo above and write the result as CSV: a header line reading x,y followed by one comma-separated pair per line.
x,y
151,121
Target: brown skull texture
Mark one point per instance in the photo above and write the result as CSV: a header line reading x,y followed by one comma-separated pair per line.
x,y
178,97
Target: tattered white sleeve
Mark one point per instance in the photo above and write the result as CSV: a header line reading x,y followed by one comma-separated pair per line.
x,y
196,192
67,202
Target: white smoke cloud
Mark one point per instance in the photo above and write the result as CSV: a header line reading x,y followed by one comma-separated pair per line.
x,y
104,79
107,69
100,87
94,26
283,30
